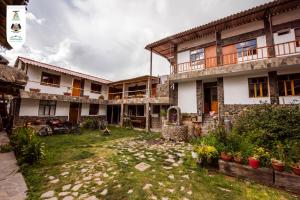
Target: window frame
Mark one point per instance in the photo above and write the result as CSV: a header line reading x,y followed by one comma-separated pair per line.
x,y
248,50
288,79
297,37
47,104
50,84
260,88
95,91
194,53
97,107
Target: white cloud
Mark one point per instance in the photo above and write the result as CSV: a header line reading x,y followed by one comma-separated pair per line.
x,y
31,17
107,38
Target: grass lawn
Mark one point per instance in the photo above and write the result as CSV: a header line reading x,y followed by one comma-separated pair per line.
x,y
92,166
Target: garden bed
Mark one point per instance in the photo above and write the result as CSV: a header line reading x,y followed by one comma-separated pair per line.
x,y
267,176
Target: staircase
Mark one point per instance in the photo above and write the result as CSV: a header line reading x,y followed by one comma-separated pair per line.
x,y
209,122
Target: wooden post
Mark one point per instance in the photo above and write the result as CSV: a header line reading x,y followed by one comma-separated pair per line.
x,y
273,85
122,106
269,34
218,47
148,117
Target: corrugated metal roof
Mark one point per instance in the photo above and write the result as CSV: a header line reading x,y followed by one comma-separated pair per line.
x,y
62,70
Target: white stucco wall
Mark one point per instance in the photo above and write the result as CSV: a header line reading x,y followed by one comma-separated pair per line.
x,y
102,110
29,107
187,98
289,100
289,47
34,75
236,91
62,108
85,108
87,90
183,57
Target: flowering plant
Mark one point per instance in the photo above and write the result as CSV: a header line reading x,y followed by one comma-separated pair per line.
x,y
206,153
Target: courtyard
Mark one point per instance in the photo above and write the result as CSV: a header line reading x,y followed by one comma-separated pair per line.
x,y
130,164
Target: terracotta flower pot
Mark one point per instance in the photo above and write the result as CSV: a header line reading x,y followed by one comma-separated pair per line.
x,y
237,159
296,170
226,157
278,166
254,163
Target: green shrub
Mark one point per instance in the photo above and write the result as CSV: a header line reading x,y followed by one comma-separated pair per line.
x,y
27,146
206,153
90,123
4,148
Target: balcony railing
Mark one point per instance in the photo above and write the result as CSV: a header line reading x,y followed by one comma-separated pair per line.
x,y
242,56
131,94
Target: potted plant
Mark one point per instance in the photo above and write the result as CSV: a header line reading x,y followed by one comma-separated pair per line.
x,y
101,97
207,154
254,161
260,156
226,156
278,162
237,157
296,168
34,89
277,165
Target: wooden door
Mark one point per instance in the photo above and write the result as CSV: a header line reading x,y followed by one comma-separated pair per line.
x,y
76,88
214,105
210,56
74,112
229,54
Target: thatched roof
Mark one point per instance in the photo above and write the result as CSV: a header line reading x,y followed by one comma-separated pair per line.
x,y
12,75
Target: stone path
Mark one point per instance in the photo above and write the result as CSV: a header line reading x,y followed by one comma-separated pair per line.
x,y
12,183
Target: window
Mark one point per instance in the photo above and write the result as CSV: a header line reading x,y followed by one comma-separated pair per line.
x,y
197,56
94,109
289,85
297,35
136,110
47,108
96,88
50,79
258,87
246,48
283,32
140,110
156,109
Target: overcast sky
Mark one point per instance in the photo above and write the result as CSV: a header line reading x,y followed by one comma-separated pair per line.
x,y
107,38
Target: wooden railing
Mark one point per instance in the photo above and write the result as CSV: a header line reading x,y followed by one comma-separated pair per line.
x,y
244,55
131,94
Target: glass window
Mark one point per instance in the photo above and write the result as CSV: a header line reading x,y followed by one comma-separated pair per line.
x,y
96,88
156,109
258,87
50,79
94,109
131,110
289,85
297,35
246,48
140,110
47,108
197,56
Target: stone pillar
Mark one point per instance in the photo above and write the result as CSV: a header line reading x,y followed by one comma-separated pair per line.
x,y
220,91
175,60
218,48
269,34
148,117
174,94
200,97
273,85
121,115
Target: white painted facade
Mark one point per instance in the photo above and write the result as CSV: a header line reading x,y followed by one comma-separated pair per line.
x,y
187,97
93,95
236,90
289,46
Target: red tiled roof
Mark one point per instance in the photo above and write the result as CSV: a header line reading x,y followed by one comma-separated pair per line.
x,y
62,70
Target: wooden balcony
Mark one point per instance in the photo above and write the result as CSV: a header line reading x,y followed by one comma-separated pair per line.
x,y
243,56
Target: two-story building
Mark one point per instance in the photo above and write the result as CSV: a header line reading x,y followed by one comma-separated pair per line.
x,y
55,92
140,99
238,61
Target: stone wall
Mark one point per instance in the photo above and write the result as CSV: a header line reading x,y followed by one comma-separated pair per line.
x,y
21,120
156,122
200,97
220,91
163,90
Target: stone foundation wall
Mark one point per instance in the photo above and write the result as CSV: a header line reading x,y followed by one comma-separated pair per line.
x,y
156,122
21,120
97,117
